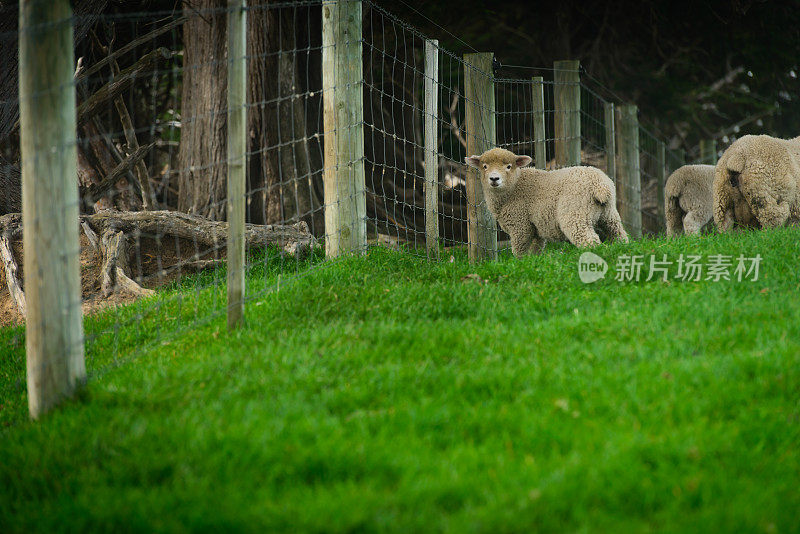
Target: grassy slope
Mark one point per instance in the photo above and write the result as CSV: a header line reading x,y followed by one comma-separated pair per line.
x,y
386,393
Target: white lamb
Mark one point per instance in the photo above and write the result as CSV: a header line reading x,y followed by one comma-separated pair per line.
x,y
757,183
533,205
689,199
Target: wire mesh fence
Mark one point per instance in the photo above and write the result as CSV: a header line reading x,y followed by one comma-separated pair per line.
x,y
356,127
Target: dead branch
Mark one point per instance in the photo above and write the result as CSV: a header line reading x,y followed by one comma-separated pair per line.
x,y
130,46
90,235
10,267
123,282
123,82
148,201
295,238
115,266
454,121
11,226
110,245
93,193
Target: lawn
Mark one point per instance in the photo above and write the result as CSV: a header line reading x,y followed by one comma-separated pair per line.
x,y
387,393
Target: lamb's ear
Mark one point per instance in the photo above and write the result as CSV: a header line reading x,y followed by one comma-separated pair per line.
x,y
473,161
523,161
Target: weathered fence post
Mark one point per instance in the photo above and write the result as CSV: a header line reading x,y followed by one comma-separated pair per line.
x,y
431,160
54,331
567,97
539,135
708,151
629,188
237,157
611,150
661,176
481,136
343,109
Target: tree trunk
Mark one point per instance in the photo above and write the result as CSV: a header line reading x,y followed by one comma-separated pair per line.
x,y
282,183
201,156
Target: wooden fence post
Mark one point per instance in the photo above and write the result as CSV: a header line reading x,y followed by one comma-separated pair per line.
x,y
567,97
431,159
661,177
237,158
539,134
611,150
708,151
54,331
343,110
629,188
481,136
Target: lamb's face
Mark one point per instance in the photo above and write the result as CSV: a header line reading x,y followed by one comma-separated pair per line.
x,y
499,168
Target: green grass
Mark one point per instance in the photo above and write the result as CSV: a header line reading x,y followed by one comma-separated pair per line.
x,y
386,393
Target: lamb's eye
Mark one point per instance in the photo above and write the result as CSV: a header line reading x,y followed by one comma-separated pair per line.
x,y
508,167
485,166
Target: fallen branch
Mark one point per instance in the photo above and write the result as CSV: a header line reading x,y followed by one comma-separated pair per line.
x,y
123,282
110,245
11,226
90,235
295,239
10,267
115,265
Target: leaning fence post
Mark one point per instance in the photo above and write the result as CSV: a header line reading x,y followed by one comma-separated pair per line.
x,y
708,151
431,160
343,112
481,136
237,157
611,150
661,176
567,97
54,331
539,135
629,189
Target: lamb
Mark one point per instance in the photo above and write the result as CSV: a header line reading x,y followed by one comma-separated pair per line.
x,y
534,205
756,183
688,199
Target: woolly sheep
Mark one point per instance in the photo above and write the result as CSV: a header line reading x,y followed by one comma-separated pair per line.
x,y
756,183
689,202
534,205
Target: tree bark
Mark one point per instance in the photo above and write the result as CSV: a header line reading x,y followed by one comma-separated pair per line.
x,y
283,185
201,156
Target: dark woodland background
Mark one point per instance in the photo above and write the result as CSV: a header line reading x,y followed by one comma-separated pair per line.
x,y
697,70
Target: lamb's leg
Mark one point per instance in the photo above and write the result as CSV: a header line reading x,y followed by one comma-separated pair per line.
x,y
536,246
580,233
694,221
522,239
723,207
673,216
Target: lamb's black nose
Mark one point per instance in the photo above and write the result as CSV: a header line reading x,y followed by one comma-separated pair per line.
x,y
494,178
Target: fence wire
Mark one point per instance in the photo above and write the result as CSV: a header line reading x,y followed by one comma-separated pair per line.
x,y
152,164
